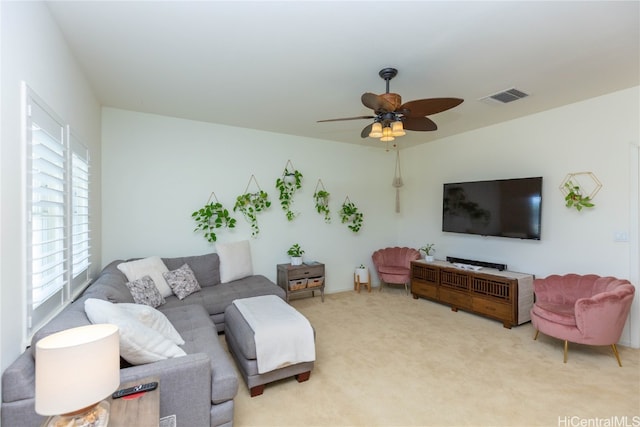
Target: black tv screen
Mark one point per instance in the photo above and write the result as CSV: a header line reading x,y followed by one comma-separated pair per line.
x,y
504,208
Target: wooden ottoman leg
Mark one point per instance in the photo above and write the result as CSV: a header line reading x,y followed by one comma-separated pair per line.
x,y
257,390
303,376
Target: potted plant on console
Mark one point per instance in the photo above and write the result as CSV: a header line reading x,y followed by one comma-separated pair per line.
x,y
295,252
428,250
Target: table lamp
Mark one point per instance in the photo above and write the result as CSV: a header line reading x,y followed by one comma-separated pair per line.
x,y
75,370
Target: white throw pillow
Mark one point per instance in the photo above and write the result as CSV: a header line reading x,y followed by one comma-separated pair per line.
x,y
139,343
153,267
152,318
235,260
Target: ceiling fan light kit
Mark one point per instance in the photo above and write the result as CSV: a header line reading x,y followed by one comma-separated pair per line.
x,y
392,117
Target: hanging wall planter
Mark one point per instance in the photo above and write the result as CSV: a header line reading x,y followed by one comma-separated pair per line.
x,y
579,189
212,216
349,215
250,204
287,185
321,199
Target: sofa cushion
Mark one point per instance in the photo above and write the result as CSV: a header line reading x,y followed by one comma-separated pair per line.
x,y
215,299
235,260
144,291
206,268
151,266
139,344
200,335
152,318
563,314
182,281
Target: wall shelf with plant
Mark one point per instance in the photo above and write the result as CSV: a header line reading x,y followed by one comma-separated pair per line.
x,y
287,185
321,199
579,189
350,215
211,217
252,203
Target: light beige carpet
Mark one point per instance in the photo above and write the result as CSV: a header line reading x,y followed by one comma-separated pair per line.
x,y
385,359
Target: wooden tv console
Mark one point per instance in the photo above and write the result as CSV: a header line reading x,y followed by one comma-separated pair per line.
x,y
506,296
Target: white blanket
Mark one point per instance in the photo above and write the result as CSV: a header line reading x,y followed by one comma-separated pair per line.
x,y
283,336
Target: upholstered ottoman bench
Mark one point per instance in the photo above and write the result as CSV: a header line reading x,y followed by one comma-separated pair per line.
x,y
269,340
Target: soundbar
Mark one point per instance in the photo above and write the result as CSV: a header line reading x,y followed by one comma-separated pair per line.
x,y
497,266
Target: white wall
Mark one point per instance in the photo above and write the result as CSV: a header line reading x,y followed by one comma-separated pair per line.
x,y
600,135
34,51
158,170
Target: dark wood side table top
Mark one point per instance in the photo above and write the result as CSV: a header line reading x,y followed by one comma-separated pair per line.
x,y
142,411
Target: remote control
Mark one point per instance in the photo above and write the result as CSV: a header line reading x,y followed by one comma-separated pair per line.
x,y
133,390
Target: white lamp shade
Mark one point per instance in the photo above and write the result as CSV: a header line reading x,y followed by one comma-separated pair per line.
x,y
76,368
397,129
376,130
387,135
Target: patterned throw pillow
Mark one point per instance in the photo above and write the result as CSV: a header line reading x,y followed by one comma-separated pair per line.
x,y
182,281
144,291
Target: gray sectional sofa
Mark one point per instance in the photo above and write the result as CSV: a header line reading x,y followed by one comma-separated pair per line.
x,y
198,388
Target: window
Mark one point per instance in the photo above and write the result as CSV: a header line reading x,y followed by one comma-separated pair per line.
x,y
57,195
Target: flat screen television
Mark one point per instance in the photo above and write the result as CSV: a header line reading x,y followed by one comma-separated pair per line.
x,y
503,207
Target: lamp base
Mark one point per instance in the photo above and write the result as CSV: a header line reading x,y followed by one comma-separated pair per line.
x,y
93,416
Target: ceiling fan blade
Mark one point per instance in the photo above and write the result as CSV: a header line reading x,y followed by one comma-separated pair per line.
x,y
427,107
346,118
366,131
419,124
376,102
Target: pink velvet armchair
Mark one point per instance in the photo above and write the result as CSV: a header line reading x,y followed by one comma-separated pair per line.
x,y
394,265
585,309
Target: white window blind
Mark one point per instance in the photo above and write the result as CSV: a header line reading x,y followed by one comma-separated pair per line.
x,y
80,236
57,195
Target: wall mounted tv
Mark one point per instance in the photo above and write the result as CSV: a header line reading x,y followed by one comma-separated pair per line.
x,y
504,207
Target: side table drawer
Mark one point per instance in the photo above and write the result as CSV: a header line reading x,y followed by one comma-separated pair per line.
x,y
305,273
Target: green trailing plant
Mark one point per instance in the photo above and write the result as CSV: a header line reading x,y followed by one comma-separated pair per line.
x,y
287,186
295,250
428,249
250,204
210,217
349,215
321,198
574,197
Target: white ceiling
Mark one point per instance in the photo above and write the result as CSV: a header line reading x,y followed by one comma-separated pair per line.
x,y
281,66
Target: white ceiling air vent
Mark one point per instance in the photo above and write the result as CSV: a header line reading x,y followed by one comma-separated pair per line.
x,y
505,96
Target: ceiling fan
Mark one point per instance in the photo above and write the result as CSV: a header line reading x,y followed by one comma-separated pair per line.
x,y
392,117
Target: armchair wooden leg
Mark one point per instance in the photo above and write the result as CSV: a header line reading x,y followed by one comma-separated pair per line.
x,y
615,351
535,337
566,349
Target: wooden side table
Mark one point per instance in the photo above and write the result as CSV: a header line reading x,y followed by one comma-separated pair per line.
x,y
141,411
311,274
